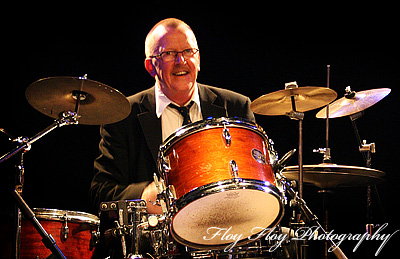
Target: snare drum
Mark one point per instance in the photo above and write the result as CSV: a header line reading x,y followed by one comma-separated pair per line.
x,y
74,232
220,171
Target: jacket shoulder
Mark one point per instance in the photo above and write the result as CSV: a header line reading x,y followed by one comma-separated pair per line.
x,y
138,97
225,94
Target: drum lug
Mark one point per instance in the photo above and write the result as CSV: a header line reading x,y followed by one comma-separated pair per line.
x,y
234,169
171,192
227,136
65,229
94,239
164,164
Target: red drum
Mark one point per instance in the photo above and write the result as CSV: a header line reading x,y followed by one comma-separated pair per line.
x,y
220,171
75,233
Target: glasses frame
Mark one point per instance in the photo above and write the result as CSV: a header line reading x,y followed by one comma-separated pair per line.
x,y
175,53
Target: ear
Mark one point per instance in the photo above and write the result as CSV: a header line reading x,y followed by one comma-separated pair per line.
x,y
148,64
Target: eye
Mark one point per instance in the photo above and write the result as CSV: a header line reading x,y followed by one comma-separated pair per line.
x,y
169,53
188,51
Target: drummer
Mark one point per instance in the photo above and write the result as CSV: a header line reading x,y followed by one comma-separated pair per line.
x,y
128,149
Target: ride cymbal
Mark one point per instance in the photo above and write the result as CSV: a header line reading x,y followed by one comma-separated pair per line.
x,y
306,98
99,103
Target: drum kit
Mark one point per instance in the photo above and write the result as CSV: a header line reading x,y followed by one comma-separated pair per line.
x,y
221,186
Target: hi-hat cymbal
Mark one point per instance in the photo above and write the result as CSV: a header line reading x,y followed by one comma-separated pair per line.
x,y
361,101
280,102
99,103
328,176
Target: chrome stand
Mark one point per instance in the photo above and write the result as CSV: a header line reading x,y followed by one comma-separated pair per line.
x,y
306,212
299,116
66,118
366,149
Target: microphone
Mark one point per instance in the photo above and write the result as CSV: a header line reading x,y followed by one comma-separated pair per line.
x,y
283,161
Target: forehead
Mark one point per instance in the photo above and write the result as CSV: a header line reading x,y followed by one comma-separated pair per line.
x,y
174,38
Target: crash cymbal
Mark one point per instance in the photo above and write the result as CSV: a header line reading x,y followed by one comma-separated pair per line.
x,y
280,102
328,176
357,102
99,103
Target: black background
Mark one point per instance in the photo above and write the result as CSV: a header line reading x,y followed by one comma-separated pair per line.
x,y
252,48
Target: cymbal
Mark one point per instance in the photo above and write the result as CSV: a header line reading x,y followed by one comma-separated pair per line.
x,y
99,103
329,176
361,101
306,98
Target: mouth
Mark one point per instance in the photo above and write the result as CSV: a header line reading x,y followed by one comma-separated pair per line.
x,y
180,73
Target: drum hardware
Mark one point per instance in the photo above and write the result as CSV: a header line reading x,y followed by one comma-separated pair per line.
x,y
162,196
47,239
80,243
293,101
132,223
226,136
366,150
311,218
234,169
326,152
70,101
94,102
353,105
65,229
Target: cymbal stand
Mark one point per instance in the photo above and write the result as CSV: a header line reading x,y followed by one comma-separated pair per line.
x,y
307,213
66,118
326,159
299,116
295,115
366,149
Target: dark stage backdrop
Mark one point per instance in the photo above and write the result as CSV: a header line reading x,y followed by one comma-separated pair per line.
x,y
250,51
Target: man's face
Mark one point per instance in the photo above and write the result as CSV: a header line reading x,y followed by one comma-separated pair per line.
x,y
177,77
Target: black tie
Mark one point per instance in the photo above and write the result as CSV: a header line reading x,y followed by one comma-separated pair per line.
x,y
184,111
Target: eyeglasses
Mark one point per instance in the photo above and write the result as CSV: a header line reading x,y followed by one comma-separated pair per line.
x,y
171,55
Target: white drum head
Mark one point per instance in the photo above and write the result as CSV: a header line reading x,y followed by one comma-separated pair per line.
x,y
219,219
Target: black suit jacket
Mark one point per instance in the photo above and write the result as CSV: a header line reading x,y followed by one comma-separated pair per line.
x,y
129,148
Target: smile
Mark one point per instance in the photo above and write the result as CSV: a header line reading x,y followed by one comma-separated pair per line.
x,y
180,73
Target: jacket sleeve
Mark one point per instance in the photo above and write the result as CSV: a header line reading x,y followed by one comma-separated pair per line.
x,y
114,168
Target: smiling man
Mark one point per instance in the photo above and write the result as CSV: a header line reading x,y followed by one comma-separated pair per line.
x,y
128,149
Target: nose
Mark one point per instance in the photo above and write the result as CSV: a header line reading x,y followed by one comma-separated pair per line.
x,y
179,58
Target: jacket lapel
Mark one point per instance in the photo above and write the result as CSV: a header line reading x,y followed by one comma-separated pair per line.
x,y
151,125
210,103
211,106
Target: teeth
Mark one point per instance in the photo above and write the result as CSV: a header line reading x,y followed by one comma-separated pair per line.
x,y
180,73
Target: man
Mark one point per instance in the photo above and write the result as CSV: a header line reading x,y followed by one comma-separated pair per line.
x,y
129,148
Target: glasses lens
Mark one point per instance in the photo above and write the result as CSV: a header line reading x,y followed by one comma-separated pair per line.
x,y
171,55
168,55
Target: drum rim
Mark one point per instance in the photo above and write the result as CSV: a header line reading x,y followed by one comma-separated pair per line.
x,y
198,126
232,184
72,216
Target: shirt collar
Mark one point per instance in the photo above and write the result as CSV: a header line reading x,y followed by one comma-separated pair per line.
x,y
162,101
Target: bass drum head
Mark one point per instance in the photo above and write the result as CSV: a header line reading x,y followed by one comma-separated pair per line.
x,y
235,210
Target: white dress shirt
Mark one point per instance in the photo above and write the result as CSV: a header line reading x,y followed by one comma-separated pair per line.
x,y
171,119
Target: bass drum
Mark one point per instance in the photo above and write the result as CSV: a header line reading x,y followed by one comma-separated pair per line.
x,y
220,172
